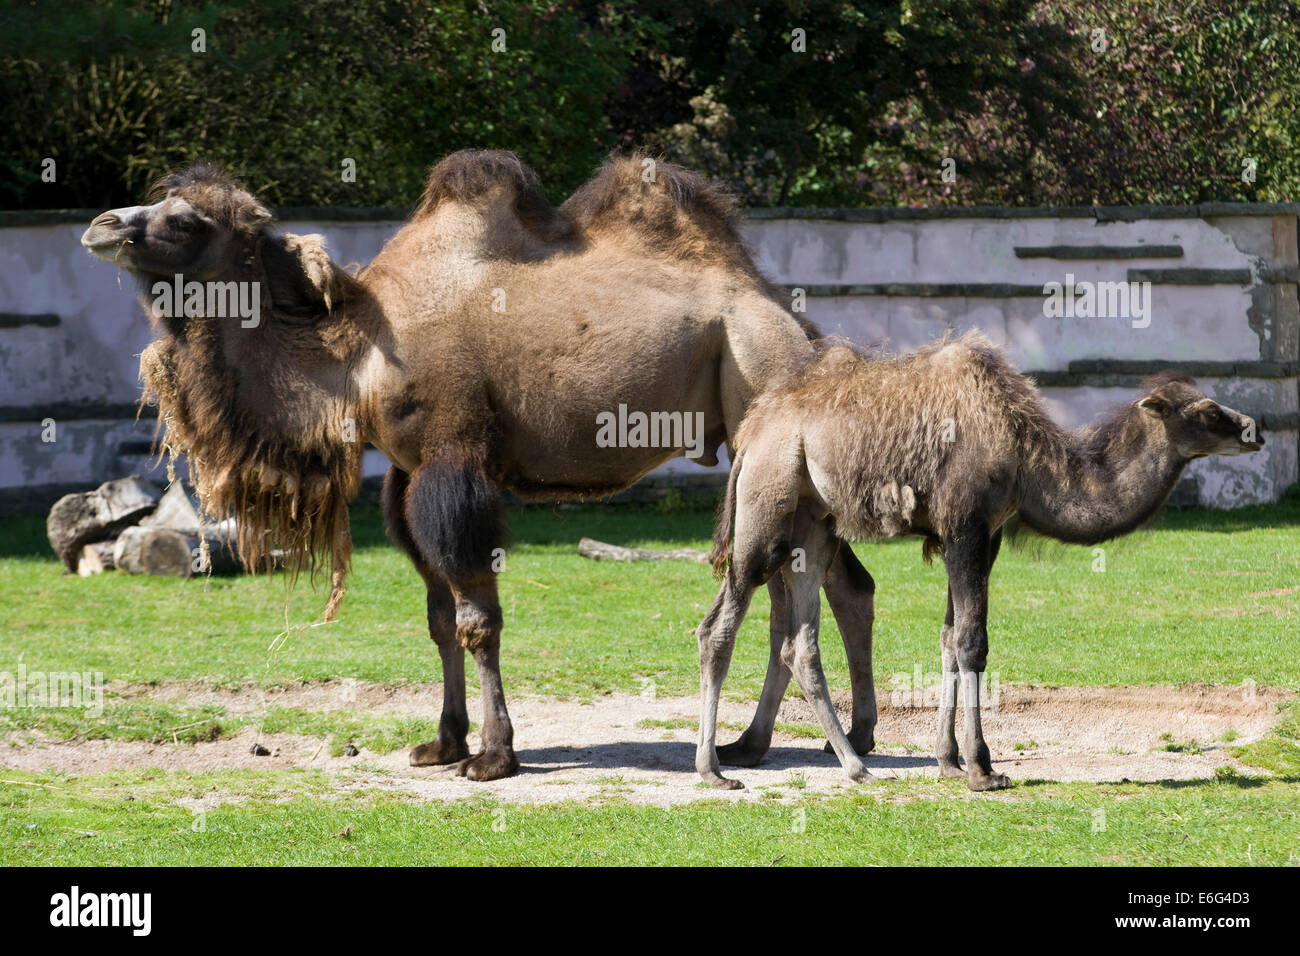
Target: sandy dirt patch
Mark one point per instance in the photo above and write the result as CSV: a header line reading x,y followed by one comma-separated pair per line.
x,y
642,749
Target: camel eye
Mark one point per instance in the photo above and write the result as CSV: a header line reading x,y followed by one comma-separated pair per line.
x,y
182,223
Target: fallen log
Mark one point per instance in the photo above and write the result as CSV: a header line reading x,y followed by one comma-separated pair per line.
x,y
90,516
600,551
178,510
163,551
95,558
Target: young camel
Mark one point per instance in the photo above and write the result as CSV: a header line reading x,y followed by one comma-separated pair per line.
x,y
947,442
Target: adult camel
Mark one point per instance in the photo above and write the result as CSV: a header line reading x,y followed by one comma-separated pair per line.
x,y
477,351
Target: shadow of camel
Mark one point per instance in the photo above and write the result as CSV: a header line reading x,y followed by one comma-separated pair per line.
x,y
679,755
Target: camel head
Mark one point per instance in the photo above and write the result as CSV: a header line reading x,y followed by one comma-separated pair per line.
x,y
201,225
195,222
250,371
1195,425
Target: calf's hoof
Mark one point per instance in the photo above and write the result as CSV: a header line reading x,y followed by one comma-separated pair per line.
x,y
489,765
988,781
720,782
436,753
952,769
741,754
861,775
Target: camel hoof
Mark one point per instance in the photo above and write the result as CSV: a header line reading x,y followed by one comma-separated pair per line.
x,y
989,781
489,765
437,753
720,782
861,775
740,754
952,770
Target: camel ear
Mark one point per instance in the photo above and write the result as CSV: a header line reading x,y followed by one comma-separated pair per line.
x,y
251,217
1155,406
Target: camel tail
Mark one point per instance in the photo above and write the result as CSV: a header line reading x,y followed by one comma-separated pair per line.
x,y
722,527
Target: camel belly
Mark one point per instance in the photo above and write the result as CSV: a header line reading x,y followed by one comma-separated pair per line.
x,y
605,443
600,396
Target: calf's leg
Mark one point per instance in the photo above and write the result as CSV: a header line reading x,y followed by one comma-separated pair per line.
x,y
717,639
968,557
803,655
753,744
851,593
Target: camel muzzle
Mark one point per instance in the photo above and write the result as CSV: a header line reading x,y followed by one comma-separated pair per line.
x,y
1247,427
109,231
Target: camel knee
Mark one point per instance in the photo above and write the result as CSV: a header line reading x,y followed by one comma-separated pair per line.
x,y
755,566
715,640
478,626
972,649
804,654
715,650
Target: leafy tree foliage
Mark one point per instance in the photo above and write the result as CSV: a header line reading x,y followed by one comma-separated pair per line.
x,y
801,102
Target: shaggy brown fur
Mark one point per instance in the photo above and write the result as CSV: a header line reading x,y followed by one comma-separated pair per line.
x,y
676,211
277,465
476,351
948,442
472,175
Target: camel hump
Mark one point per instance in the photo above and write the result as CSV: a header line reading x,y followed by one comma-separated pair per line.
x,y
676,209
471,175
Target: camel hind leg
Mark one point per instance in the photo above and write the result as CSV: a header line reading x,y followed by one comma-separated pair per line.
x,y
801,651
850,590
851,593
754,743
767,493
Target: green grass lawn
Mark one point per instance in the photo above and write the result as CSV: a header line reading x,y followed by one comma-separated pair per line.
x,y
295,818
1200,596
1203,596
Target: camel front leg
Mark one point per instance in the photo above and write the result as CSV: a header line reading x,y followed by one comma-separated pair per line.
x,y
945,746
453,530
451,745
851,591
968,558
478,629
440,610
754,743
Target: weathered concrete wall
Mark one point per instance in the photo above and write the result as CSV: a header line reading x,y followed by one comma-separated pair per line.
x,y
1223,306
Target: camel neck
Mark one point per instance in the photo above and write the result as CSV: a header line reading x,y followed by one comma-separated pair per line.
x,y
1100,490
